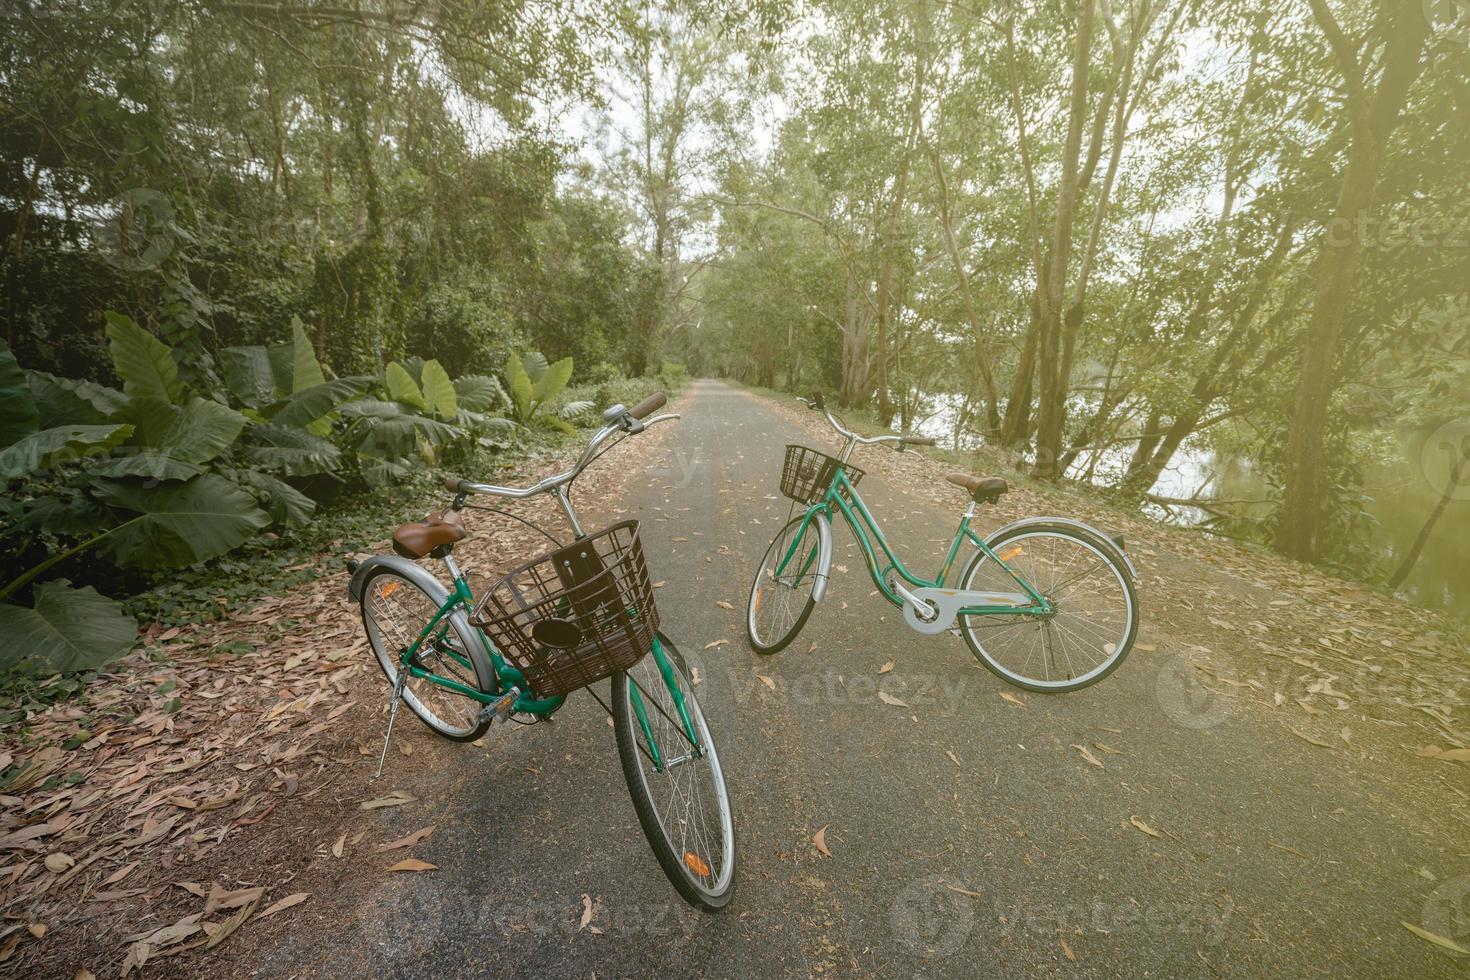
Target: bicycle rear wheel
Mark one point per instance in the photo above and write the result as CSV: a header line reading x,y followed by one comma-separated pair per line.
x,y
681,799
1096,610
779,605
395,612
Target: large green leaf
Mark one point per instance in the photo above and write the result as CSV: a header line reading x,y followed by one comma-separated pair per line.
x,y
18,415
286,504
401,386
196,432
41,449
314,403
148,465
552,381
66,630
535,365
202,430
179,523
293,452
144,362
375,407
306,372
520,386
398,436
479,393
439,394
250,374
66,401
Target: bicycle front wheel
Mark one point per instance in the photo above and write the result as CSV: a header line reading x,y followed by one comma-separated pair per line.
x,y
395,612
1095,617
677,785
781,597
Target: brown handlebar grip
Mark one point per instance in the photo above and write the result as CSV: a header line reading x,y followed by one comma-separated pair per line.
x,y
649,405
453,483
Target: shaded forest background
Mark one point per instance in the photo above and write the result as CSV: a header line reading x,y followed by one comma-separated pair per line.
x,y
1093,237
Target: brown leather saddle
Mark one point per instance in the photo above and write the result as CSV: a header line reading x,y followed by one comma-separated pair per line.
x,y
426,537
983,489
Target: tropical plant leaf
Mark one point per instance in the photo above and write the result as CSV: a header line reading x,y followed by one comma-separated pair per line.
x,y
66,511
480,393
383,472
439,394
147,465
18,415
552,381
250,374
292,452
179,523
202,430
572,410
401,386
306,371
398,436
144,362
65,401
535,365
559,424
313,404
285,504
373,407
520,386
41,449
66,629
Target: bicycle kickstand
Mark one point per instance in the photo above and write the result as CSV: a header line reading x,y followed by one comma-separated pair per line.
x,y
392,717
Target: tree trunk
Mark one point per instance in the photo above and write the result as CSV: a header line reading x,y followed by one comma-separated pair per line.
x,y
1457,476
1372,121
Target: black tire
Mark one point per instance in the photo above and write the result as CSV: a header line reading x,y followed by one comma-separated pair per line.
x,y
772,645
1102,548
625,725
419,695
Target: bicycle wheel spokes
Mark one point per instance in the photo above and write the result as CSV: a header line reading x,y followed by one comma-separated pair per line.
x,y
396,612
780,598
685,788
1094,612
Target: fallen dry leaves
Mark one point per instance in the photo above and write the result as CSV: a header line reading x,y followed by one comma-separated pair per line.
x,y
187,753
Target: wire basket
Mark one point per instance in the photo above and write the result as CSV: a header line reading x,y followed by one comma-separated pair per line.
x,y
575,615
807,474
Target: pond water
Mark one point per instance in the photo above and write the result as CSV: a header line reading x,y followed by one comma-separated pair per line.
x,y
1400,494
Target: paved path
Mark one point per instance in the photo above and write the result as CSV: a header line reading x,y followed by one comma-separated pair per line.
x,y
1019,860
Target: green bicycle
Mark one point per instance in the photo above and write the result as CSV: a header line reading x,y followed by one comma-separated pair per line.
x,y
1046,603
556,624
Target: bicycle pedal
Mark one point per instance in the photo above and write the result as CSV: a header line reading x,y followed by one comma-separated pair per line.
x,y
500,709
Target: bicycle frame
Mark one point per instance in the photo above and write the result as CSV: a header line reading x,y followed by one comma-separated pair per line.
x,y
507,676
844,498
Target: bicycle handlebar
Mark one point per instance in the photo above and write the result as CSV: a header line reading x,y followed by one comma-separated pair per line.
x,y
818,404
621,424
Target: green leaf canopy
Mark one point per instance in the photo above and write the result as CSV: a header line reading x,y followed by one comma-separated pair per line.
x,y
179,524
67,629
144,362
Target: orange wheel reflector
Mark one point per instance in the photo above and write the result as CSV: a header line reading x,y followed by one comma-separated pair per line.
x,y
756,605
388,589
696,864
1013,551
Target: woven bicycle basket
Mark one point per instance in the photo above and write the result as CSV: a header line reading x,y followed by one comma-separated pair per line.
x,y
575,615
806,474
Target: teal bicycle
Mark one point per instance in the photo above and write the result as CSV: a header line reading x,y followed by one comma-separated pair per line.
x,y
581,613
1046,603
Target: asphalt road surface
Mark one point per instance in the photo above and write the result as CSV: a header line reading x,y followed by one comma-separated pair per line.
x,y
968,835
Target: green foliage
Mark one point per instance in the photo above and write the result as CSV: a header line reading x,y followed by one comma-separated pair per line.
x,y
534,384
66,629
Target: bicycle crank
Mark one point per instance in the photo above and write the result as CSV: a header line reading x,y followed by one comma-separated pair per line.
x,y
933,611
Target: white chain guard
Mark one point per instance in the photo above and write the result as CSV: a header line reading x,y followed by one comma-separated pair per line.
x,y
949,602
